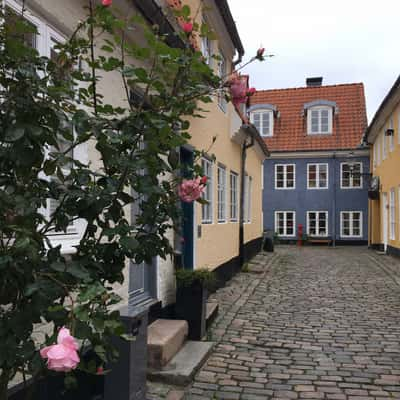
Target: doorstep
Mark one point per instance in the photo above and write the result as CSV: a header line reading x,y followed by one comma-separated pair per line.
x,y
182,368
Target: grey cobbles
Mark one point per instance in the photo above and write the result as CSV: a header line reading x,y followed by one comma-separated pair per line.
x,y
312,323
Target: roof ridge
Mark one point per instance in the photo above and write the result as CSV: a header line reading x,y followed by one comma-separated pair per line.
x,y
310,87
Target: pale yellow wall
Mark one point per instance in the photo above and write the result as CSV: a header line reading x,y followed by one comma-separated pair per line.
x,y
219,242
388,171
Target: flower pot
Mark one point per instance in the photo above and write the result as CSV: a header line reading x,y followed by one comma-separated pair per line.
x,y
190,305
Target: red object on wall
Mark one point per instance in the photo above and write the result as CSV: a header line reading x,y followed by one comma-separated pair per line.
x,y
300,235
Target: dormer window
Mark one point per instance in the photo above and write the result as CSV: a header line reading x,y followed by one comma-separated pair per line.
x,y
320,117
263,121
262,117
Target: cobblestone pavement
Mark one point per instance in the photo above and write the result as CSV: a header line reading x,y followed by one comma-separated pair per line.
x,y
312,323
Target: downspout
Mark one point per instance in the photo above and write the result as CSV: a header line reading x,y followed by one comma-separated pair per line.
x,y
245,146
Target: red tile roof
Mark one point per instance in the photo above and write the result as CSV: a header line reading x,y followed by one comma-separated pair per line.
x,y
290,129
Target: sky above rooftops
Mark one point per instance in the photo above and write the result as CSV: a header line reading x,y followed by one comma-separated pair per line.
x,y
344,41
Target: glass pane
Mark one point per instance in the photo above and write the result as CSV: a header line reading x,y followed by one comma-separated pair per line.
x,y
13,26
265,124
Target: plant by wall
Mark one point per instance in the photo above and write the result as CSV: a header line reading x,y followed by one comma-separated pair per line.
x,y
48,108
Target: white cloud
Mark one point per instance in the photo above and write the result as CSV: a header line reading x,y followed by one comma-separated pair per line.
x,y
343,41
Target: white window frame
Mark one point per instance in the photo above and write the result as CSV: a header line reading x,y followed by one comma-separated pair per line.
x,y
265,131
351,178
384,146
317,227
207,210
392,214
222,103
318,166
285,227
233,181
319,109
285,187
206,48
221,190
351,224
44,40
391,137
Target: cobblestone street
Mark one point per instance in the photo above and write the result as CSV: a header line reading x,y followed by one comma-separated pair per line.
x,y
311,323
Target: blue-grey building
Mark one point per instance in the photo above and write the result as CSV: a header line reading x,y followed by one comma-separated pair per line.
x,y
318,173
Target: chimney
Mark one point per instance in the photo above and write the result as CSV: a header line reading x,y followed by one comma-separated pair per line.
x,y
315,81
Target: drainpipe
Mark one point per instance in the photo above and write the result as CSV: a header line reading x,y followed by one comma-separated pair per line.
x,y
245,146
334,202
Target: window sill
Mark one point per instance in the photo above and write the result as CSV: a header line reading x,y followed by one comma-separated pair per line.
x,y
351,188
318,188
276,188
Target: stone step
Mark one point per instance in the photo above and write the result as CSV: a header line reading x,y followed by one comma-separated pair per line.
x,y
182,368
211,313
165,339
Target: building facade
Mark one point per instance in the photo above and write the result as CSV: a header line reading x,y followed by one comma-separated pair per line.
x,y
383,136
210,236
318,173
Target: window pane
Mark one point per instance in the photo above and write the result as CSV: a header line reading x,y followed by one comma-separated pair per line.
x,y
12,22
265,123
312,176
323,176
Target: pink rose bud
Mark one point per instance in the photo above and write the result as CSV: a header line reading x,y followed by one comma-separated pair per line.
x,y
251,91
100,371
62,356
187,27
203,180
107,3
260,52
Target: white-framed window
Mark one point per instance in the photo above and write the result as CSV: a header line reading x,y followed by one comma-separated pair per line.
x,y
392,214
45,41
378,152
285,176
351,175
319,120
398,128
221,189
247,198
234,196
206,48
317,176
351,224
317,223
285,222
207,209
263,120
384,146
391,137
222,73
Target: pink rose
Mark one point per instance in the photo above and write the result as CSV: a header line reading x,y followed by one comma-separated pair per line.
x,y
106,3
62,356
238,89
203,180
190,190
251,91
187,27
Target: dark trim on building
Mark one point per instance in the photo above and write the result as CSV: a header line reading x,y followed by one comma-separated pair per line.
x,y
153,13
320,150
351,242
230,25
376,246
223,272
393,251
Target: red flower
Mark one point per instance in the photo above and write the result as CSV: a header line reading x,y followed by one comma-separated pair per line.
x,y
100,371
203,180
187,27
251,91
260,52
107,3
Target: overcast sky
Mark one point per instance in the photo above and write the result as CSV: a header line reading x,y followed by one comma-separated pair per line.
x,y
342,40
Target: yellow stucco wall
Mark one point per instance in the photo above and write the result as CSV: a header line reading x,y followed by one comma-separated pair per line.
x,y
388,170
219,242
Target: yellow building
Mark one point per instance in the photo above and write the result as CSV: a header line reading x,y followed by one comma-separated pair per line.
x,y
216,227
383,134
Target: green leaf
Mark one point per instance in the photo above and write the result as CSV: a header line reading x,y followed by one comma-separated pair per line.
x,y
129,243
14,133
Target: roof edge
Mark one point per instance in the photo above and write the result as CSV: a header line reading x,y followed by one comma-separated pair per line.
x,y
230,25
387,98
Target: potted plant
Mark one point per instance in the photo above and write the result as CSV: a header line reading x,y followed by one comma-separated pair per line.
x,y
191,299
